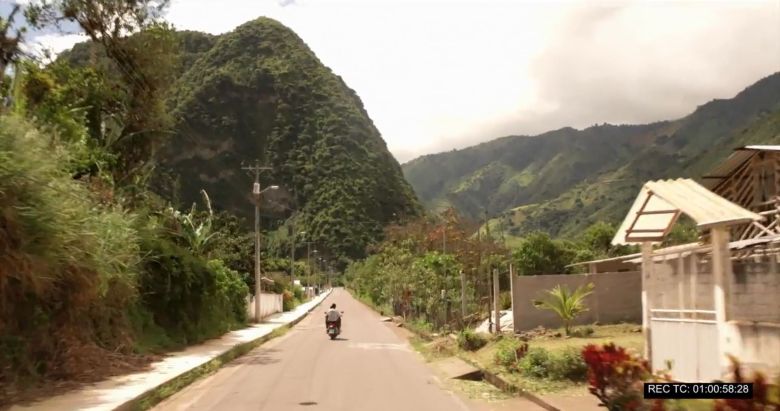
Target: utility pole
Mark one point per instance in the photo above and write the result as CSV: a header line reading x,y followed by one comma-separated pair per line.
x,y
444,237
256,192
487,268
496,301
308,260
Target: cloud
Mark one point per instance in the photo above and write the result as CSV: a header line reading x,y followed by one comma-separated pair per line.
x,y
54,44
643,62
436,75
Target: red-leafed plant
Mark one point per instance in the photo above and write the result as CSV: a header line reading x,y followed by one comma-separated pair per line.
x,y
766,397
616,376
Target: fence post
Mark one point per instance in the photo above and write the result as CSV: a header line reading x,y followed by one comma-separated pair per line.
x,y
462,295
647,270
512,290
496,301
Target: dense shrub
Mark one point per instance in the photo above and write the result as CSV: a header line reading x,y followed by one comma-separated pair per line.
x,y
568,365
615,376
190,299
232,290
766,393
67,262
536,363
289,302
470,341
540,363
509,352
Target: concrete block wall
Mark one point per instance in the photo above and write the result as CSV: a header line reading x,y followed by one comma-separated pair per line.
x,y
755,293
269,304
617,297
756,345
671,286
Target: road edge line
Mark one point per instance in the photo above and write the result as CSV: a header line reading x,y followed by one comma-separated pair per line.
x,y
156,395
491,378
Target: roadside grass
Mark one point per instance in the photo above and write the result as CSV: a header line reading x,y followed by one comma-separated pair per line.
x,y
479,390
625,335
437,349
621,334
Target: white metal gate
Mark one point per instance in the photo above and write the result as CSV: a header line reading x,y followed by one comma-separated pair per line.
x,y
690,344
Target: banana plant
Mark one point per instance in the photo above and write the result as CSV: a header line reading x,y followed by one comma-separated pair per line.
x,y
197,232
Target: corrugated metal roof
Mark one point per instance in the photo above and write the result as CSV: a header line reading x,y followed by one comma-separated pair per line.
x,y
740,155
661,202
760,148
606,260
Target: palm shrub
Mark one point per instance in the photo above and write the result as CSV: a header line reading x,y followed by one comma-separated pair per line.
x,y
566,304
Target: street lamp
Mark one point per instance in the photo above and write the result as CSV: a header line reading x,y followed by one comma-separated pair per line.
x,y
311,268
256,191
308,255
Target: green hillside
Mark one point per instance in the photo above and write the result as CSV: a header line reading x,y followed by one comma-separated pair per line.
x,y
259,92
565,180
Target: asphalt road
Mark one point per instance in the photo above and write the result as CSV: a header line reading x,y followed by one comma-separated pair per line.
x,y
368,368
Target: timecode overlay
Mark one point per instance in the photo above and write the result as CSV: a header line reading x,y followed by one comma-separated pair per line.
x,y
708,390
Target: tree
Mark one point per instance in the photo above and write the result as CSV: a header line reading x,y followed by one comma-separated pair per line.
x,y
566,304
540,254
9,43
598,238
232,242
597,242
683,232
140,66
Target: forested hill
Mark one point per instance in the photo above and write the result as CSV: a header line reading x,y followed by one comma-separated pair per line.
x,y
564,180
259,92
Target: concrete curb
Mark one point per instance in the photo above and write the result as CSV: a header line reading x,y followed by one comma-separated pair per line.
x,y
154,396
507,387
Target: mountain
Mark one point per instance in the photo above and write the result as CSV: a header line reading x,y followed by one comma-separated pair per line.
x,y
259,92
564,180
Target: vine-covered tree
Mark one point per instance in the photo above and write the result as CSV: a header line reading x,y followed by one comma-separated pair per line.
x,y
134,121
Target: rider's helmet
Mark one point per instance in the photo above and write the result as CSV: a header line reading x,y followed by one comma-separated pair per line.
x,y
333,306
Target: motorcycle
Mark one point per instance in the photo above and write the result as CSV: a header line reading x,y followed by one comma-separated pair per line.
x,y
332,328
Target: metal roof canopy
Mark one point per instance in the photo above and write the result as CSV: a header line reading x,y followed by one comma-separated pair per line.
x,y
660,203
622,258
725,169
685,250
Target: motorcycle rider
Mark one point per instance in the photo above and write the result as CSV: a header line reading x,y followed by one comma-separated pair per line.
x,y
333,316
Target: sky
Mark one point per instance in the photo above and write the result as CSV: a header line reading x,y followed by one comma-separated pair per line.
x,y
441,75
